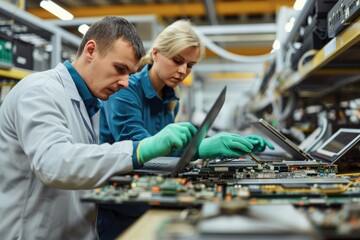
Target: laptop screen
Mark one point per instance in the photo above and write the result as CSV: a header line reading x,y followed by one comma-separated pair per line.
x,y
339,142
194,144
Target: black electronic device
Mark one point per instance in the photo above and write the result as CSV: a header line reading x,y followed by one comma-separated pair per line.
x,y
23,54
310,29
267,77
341,15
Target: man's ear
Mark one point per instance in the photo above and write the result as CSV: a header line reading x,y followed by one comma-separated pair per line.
x,y
90,47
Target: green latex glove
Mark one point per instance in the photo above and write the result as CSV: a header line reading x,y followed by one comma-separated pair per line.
x,y
259,143
224,145
171,138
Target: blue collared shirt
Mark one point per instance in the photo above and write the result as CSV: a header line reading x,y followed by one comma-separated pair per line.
x,y
137,112
92,104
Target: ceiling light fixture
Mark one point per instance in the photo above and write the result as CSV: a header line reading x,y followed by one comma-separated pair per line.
x,y
56,10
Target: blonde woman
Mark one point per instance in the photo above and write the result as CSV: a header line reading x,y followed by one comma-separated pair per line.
x,y
151,102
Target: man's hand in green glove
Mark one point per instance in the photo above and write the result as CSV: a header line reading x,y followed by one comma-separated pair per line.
x,y
224,145
259,143
171,138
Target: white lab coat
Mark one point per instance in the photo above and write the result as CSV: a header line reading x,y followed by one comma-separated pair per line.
x,y
49,156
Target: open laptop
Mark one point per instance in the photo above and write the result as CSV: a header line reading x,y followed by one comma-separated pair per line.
x,y
292,150
172,166
330,151
340,143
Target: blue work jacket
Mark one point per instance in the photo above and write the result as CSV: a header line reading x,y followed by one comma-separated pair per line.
x,y
137,112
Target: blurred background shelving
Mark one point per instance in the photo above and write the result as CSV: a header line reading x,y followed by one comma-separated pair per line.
x,y
250,48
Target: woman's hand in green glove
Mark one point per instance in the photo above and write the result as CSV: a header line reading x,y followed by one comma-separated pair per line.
x,y
170,139
224,145
259,143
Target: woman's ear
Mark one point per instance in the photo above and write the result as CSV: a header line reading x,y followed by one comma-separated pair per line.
x,y
155,54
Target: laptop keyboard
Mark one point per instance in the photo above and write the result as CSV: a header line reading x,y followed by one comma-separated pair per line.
x,y
157,165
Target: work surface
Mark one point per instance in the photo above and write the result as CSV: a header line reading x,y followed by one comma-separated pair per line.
x,y
148,225
260,221
229,199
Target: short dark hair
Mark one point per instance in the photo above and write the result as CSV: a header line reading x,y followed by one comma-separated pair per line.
x,y
109,29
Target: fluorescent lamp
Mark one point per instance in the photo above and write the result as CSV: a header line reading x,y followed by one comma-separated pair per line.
x,y
83,28
56,10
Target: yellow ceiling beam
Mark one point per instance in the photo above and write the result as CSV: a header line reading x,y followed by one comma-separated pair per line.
x,y
251,7
248,51
233,76
173,9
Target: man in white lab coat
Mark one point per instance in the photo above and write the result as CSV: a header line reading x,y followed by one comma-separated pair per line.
x,y
49,140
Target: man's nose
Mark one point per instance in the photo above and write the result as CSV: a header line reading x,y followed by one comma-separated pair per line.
x,y
124,81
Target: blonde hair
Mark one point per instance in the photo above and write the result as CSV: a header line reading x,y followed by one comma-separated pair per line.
x,y
174,39
173,103
171,41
